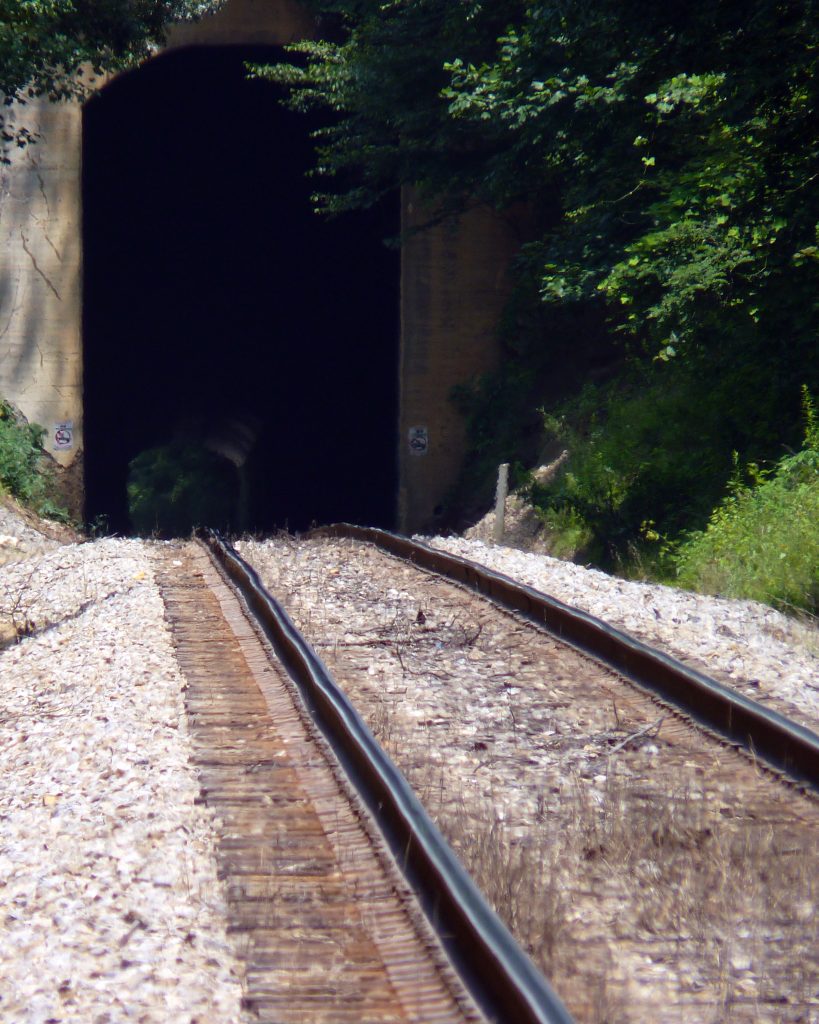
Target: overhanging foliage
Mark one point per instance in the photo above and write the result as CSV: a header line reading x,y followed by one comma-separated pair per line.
x,y
668,152
49,47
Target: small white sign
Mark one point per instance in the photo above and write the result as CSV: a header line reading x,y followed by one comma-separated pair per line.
x,y
63,436
418,438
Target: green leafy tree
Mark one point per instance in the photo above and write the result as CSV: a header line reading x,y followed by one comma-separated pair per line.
x,y
668,153
178,486
669,158
380,71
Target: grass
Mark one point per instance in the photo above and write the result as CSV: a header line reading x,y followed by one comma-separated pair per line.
x,y
762,545
714,895
762,541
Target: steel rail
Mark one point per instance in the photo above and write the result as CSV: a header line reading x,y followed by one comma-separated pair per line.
x,y
769,736
500,977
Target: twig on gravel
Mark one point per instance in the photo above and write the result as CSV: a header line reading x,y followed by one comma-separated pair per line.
x,y
19,609
636,735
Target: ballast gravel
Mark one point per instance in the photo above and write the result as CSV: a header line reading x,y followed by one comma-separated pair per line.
x,y
110,908
650,873
748,646
109,903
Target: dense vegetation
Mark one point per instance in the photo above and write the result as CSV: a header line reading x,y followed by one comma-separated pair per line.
x,y
668,158
763,539
26,473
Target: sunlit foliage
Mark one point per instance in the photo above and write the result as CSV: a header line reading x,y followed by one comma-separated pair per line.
x,y
668,152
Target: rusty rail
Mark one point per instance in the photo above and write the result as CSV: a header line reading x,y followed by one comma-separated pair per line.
x,y
500,977
769,736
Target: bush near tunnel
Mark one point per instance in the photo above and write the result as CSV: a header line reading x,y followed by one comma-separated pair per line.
x,y
177,486
26,472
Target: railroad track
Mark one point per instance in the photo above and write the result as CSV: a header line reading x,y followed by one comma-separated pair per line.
x,y
328,927
630,851
784,745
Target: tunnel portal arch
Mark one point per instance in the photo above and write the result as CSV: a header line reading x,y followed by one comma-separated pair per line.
x,y
452,287
213,297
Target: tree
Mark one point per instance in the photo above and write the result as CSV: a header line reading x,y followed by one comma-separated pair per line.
x,y
380,71
669,153
669,157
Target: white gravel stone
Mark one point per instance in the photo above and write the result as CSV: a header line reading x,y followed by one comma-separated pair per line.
x,y
110,909
749,646
109,903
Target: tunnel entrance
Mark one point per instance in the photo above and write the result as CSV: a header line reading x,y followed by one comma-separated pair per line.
x,y
220,312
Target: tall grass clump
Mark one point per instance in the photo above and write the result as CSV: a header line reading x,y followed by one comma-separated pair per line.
x,y
762,540
25,471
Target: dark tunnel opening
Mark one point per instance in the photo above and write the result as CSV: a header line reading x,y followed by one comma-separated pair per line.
x,y
220,312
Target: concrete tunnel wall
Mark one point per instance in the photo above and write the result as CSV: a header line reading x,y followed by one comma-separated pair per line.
x,y
452,286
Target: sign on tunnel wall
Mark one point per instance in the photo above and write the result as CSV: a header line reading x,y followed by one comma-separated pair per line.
x,y
418,440
62,436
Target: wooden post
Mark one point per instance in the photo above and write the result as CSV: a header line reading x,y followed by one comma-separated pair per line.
x,y
500,501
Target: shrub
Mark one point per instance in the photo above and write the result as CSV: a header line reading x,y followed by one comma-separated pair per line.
x,y
636,454
762,540
652,450
25,471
